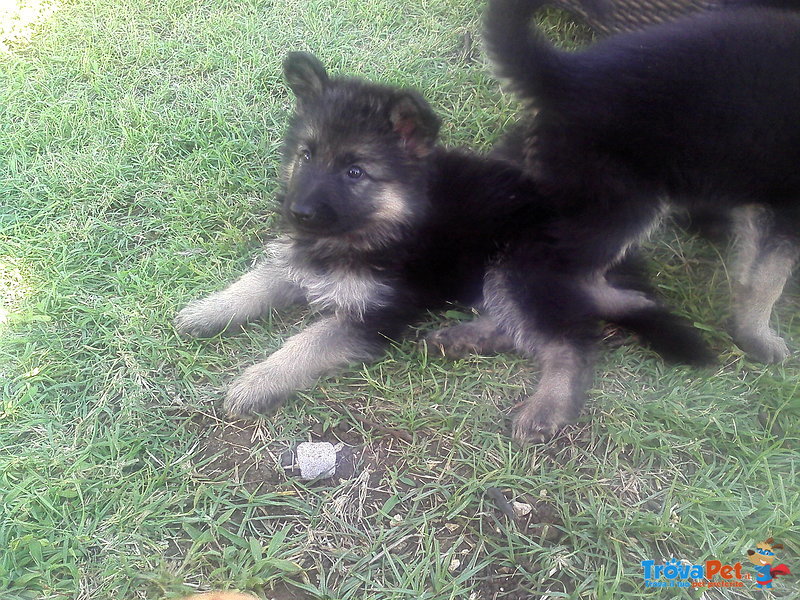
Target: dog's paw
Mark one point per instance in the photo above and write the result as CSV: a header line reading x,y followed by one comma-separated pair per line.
x,y
464,339
539,418
451,344
763,346
203,318
258,390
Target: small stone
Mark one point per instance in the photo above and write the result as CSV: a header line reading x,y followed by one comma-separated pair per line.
x,y
521,509
316,459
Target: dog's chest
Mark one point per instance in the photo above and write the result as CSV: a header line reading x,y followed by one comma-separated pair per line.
x,y
352,289
343,290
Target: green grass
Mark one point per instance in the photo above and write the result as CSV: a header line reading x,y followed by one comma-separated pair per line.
x,y
140,143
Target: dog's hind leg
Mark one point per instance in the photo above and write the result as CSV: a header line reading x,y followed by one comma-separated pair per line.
x,y
764,262
264,287
671,336
559,331
322,348
481,336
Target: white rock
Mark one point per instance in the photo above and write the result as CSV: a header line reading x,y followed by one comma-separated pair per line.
x,y
521,509
316,459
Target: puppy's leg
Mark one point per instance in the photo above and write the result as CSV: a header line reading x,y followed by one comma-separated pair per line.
x,y
481,336
752,305
251,296
764,263
557,328
566,373
324,347
612,302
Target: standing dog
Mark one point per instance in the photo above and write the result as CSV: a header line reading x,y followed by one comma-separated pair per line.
x,y
703,111
381,225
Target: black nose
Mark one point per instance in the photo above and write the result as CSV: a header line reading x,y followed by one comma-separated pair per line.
x,y
302,214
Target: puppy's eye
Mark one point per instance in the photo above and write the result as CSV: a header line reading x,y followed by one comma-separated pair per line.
x,y
355,172
305,155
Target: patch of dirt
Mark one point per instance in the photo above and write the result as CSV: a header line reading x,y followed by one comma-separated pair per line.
x,y
229,452
237,450
517,578
283,591
506,584
240,451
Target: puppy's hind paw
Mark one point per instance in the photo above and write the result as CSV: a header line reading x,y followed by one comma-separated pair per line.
x,y
449,346
476,337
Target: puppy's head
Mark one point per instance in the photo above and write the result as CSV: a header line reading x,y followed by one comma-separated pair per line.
x,y
355,155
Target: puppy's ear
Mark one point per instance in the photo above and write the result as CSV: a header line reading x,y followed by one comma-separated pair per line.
x,y
413,118
305,75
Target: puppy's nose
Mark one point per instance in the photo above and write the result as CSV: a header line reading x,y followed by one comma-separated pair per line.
x,y
302,213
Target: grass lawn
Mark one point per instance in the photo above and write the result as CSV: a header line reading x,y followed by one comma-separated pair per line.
x,y
139,144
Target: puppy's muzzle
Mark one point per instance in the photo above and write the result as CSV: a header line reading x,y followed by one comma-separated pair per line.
x,y
312,217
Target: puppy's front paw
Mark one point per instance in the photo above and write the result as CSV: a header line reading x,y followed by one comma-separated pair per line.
x,y
540,417
204,318
258,390
764,346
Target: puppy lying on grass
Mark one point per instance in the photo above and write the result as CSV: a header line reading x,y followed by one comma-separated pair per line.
x,y
381,224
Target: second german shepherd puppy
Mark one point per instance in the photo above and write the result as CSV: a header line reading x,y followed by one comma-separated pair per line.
x,y
701,112
381,224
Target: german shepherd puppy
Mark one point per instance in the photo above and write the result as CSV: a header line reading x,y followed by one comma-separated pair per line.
x,y
381,225
701,112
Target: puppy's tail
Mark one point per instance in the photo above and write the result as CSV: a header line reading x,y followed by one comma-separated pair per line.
x,y
673,337
532,66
